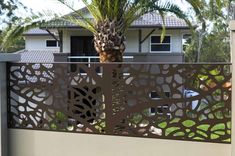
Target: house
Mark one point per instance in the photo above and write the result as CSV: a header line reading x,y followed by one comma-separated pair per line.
x,y
66,40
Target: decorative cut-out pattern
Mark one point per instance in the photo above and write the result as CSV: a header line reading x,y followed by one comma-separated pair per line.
x,y
168,101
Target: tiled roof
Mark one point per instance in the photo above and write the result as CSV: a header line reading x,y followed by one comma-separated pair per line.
x,y
152,20
37,56
36,31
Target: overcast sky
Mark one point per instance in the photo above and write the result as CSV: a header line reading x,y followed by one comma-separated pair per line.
x,y
54,5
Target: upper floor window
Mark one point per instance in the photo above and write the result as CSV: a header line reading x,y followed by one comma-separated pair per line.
x,y
158,46
51,43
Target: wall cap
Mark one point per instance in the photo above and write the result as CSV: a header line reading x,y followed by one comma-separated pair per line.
x,y
4,57
232,25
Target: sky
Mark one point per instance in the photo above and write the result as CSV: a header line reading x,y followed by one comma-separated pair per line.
x,y
48,5
53,5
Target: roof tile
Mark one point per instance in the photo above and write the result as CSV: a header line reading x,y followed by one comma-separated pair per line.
x,y
40,56
147,20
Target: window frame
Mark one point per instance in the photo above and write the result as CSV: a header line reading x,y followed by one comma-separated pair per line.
x,y
157,35
57,44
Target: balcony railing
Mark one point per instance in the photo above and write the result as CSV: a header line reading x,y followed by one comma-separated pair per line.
x,y
168,101
89,59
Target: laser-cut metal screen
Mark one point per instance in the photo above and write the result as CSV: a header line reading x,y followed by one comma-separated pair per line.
x,y
167,101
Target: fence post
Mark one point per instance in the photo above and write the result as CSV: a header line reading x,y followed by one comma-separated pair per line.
x,y
3,101
232,37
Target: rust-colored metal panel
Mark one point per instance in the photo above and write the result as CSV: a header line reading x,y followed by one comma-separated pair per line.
x,y
167,101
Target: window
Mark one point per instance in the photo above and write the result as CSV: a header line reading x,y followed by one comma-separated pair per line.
x,y
158,46
51,43
155,96
159,109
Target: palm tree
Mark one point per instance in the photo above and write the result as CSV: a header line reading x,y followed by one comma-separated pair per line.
x,y
111,19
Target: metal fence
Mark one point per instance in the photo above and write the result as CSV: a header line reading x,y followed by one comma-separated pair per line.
x,y
167,101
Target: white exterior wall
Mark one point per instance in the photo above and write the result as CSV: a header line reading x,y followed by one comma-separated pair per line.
x,y
38,43
176,40
132,39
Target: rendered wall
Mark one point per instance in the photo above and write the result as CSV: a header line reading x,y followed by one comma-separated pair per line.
x,y
3,101
3,110
39,143
232,38
38,43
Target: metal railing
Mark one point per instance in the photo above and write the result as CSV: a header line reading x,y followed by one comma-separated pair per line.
x,y
168,101
89,59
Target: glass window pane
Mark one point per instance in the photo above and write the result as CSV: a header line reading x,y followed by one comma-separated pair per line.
x,y
160,47
157,39
167,39
51,43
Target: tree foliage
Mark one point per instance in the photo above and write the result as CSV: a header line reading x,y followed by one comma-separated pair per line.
x,y
8,10
8,17
215,43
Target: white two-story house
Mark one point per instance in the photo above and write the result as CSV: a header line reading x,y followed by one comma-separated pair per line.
x,y
63,40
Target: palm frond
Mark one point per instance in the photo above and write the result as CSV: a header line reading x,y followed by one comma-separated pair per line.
x,y
124,12
17,30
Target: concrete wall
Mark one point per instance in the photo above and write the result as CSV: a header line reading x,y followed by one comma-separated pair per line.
x,y
3,101
3,107
39,143
232,28
38,43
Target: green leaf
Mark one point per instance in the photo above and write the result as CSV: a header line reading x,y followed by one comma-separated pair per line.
x,y
192,134
219,78
162,125
171,130
227,140
188,123
218,127
214,136
229,125
202,133
53,126
179,134
198,138
215,72
175,120
61,116
204,127
220,132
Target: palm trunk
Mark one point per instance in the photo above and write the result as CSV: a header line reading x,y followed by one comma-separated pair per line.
x,y
109,41
111,56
